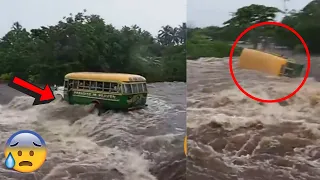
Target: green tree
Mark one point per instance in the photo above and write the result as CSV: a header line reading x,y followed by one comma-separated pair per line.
x,y
172,35
84,42
16,49
306,23
249,15
166,35
200,44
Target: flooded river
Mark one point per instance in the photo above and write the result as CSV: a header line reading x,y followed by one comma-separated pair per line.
x,y
232,137
139,145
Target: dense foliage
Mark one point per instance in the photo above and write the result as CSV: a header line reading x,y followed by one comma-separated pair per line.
x,y
306,23
203,42
201,45
86,43
246,16
213,40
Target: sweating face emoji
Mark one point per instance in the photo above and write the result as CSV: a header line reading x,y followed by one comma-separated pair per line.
x,y
25,151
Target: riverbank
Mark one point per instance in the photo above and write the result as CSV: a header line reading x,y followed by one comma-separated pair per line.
x,y
247,139
7,93
140,145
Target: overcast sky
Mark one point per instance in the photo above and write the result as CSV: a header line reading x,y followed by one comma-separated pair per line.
x,y
202,13
148,14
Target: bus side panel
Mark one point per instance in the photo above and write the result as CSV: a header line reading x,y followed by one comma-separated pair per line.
x,y
118,103
261,61
121,101
65,95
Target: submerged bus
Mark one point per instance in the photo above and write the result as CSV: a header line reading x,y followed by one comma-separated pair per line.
x,y
105,91
269,63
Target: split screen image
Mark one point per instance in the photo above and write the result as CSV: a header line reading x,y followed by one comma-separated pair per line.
x,y
164,90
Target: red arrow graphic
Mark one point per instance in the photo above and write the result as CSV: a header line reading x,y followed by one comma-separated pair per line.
x,y
42,96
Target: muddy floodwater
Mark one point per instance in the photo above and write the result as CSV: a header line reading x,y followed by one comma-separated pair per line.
x,y
232,137
144,144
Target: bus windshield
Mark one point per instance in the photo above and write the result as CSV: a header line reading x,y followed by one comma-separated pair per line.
x,y
133,88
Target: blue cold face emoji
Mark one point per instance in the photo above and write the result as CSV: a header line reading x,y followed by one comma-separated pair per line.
x,y
25,151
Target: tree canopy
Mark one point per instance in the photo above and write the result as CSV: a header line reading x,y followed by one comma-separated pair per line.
x,y
305,22
84,42
249,15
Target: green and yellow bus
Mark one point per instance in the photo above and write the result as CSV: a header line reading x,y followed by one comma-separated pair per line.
x,y
106,91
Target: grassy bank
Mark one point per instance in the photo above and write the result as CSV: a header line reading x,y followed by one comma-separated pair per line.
x,y
199,45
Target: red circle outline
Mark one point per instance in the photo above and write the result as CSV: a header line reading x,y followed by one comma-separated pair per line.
x,y
269,100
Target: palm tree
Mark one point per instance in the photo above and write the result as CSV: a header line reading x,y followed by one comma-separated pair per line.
x,y
176,35
182,33
172,36
166,35
17,26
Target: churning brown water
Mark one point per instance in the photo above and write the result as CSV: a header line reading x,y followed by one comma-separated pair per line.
x,y
232,137
144,144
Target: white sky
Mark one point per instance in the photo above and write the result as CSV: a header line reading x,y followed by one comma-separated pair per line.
x,y
150,15
201,13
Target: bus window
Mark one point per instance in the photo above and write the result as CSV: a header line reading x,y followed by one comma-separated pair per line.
x,y
70,84
140,87
144,87
99,86
106,86
128,88
134,88
114,87
93,85
81,84
86,84
122,88
65,84
75,84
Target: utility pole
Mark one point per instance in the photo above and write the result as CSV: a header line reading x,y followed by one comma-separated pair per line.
x,y
285,6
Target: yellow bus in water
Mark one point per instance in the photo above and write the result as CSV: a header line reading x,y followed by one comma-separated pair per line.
x,y
106,91
269,63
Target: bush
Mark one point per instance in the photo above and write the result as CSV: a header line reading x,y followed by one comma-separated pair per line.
x,y
5,77
44,55
210,49
175,67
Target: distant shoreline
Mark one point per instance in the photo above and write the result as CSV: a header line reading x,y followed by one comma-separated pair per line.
x,y
7,93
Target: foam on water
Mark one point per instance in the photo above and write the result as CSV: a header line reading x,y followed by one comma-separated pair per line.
x,y
137,145
233,137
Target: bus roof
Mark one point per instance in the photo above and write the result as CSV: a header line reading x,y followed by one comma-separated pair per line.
x,y
99,76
